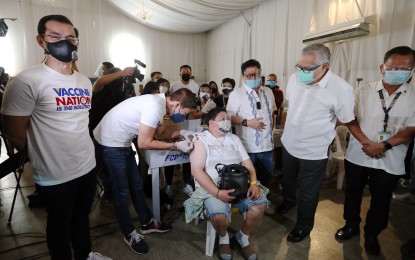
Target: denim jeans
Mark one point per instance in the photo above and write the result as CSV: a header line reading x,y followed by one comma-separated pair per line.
x,y
126,180
264,166
68,206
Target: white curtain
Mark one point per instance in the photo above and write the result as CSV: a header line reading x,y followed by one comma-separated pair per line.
x,y
105,35
271,32
278,28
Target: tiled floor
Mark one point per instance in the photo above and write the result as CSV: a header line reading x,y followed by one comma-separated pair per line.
x,y
25,239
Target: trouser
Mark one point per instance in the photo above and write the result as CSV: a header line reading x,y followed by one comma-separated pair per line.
x,y
127,183
102,170
264,166
381,185
67,207
311,175
411,187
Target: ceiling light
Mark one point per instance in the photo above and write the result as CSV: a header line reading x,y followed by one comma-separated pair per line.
x,y
143,15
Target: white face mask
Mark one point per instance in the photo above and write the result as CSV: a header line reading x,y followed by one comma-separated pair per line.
x,y
163,89
202,94
225,126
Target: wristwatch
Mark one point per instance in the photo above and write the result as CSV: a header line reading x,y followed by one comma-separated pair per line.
x,y
245,122
387,145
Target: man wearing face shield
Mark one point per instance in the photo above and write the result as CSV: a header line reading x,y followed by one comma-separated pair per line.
x,y
317,98
141,117
45,115
251,107
185,82
382,129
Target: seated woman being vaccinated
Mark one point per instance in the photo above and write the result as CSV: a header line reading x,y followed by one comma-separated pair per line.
x,y
215,146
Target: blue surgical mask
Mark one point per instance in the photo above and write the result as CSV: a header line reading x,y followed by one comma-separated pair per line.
x,y
305,77
396,77
177,117
271,83
252,83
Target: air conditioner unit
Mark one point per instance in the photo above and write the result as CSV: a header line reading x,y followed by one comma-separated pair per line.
x,y
340,32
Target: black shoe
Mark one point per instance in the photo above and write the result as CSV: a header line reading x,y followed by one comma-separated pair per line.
x,y
284,207
372,245
346,232
296,235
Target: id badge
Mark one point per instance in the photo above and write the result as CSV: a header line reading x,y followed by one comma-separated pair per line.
x,y
383,136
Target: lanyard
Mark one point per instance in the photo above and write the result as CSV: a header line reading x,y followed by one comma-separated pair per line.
x,y
382,101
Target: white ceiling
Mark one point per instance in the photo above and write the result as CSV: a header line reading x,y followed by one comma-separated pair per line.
x,y
186,16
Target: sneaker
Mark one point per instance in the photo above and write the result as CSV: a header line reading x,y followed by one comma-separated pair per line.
x,y
97,256
188,189
136,243
155,227
169,191
406,197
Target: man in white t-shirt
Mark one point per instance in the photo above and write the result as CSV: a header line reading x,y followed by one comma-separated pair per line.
x,y
251,107
140,116
45,114
185,82
384,125
317,98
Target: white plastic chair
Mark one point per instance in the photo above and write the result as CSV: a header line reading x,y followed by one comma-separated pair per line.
x,y
211,234
336,157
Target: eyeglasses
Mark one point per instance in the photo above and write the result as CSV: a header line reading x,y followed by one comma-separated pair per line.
x,y
255,75
307,69
406,68
58,37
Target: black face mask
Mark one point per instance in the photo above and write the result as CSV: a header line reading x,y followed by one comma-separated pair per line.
x,y
185,77
63,51
226,91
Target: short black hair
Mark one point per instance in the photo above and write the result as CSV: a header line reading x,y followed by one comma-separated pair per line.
x,y
185,66
41,26
154,73
272,75
108,65
230,81
250,63
213,113
151,88
186,97
76,32
400,50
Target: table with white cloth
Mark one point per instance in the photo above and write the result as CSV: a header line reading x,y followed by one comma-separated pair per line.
x,y
156,160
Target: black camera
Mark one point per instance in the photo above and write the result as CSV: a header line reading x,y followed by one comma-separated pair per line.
x,y
137,74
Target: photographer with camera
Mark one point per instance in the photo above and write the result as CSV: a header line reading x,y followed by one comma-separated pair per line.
x,y
106,94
